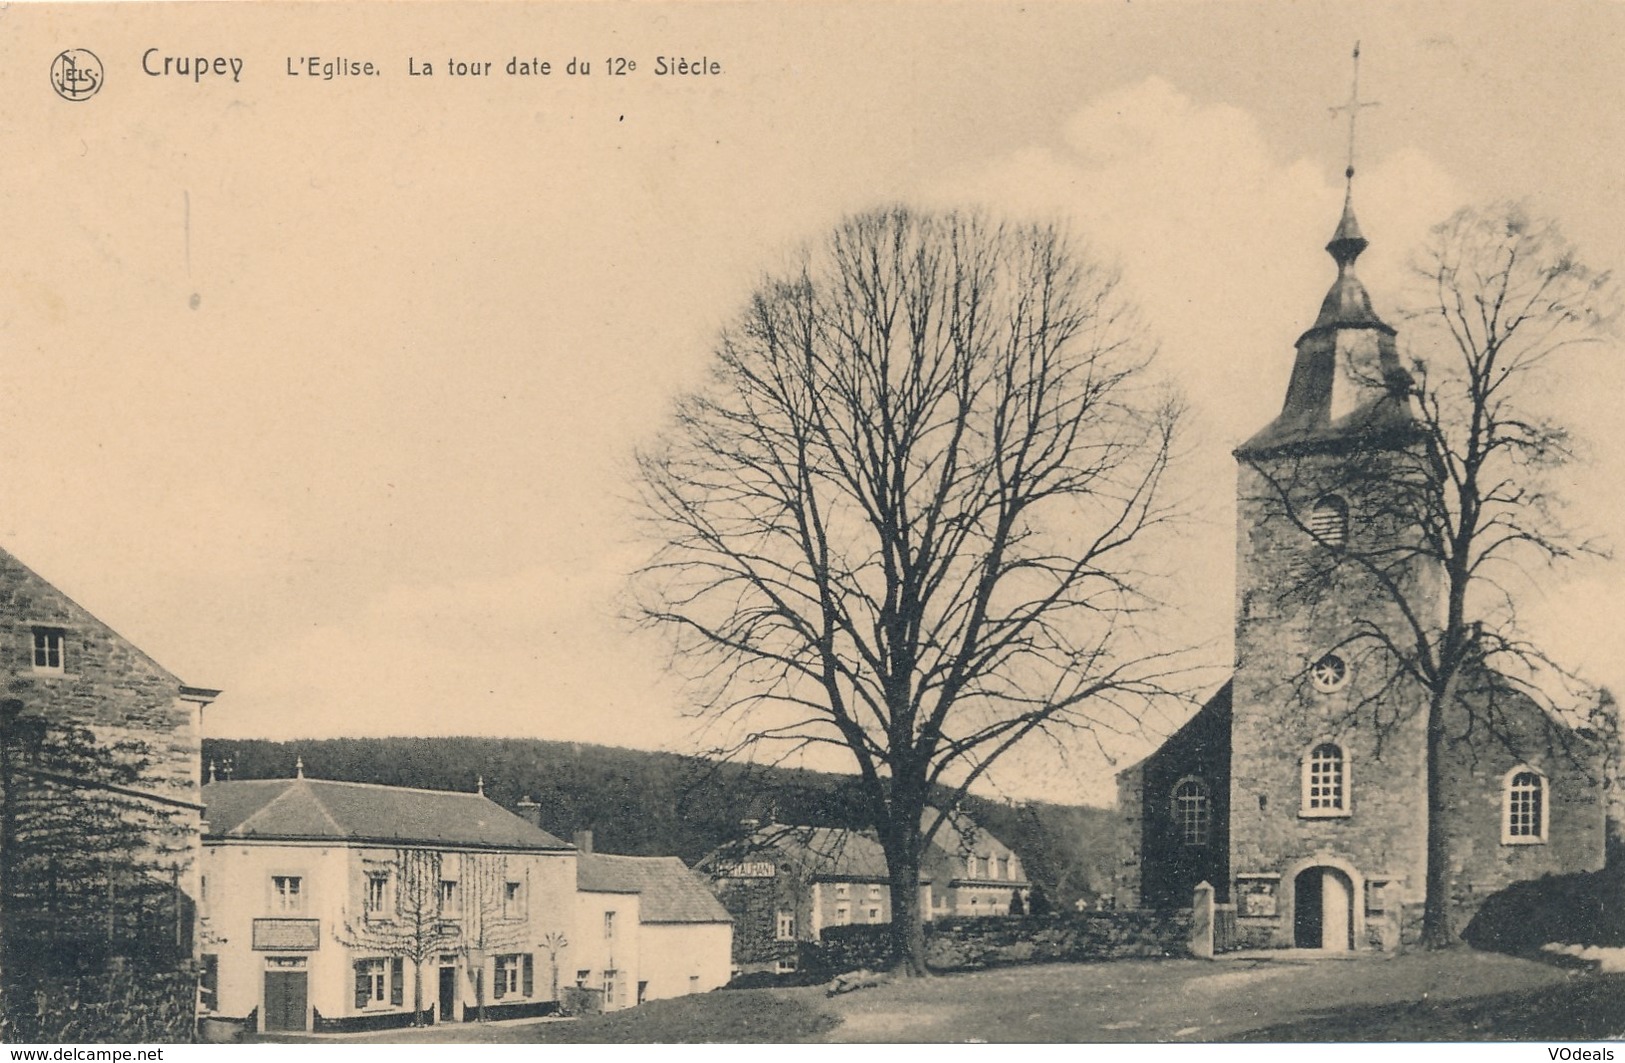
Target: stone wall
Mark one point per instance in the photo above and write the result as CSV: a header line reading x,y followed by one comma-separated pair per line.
x,y
1170,865
106,685
121,1006
1296,604
104,769
1511,733
960,944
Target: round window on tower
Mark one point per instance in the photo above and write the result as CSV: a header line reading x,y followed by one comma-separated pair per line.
x,y
1329,673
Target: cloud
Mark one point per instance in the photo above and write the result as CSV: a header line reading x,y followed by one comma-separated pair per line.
x,y
1219,234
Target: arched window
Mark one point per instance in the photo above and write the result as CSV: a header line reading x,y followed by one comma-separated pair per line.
x,y
1329,522
1524,807
1325,781
1193,811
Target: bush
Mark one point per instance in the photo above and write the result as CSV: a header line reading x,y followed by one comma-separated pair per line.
x,y
1586,908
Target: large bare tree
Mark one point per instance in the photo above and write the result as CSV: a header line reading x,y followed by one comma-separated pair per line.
x,y
1461,508
905,515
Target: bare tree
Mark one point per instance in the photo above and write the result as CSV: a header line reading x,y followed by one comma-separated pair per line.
x,y
1459,508
413,927
905,517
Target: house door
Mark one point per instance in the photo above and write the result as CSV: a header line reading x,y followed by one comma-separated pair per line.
x,y
284,1000
1337,911
448,995
1323,910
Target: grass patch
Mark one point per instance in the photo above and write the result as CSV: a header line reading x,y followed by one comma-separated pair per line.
x,y
1583,1008
749,1016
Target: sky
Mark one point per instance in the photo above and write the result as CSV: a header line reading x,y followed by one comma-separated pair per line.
x,y
325,392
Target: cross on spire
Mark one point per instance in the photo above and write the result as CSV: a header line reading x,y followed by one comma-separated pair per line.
x,y
1353,108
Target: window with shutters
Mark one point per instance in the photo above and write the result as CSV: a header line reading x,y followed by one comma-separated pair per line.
x,y
371,983
506,983
1329,522
1524,807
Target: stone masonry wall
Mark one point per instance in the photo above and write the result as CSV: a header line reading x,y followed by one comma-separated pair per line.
x,y
1483,861
1294,607
967,943
108,686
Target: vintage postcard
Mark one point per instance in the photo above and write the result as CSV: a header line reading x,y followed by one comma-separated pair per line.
x,y
811,522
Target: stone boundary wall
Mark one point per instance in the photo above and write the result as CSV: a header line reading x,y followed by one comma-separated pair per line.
x,y
121,1006
969,942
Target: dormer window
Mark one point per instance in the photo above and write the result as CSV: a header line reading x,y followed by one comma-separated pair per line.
x,y
1329,522
50,649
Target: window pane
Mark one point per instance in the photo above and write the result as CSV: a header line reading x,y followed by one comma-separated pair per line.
x,y
1325,782
1192,811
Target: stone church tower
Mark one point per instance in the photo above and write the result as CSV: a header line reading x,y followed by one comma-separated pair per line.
x,y
1316,704
1299,791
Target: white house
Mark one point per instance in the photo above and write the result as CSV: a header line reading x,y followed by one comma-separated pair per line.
x,y
647,929
335,905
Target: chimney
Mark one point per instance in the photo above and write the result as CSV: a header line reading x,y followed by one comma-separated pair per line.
x,y
583,840
530,811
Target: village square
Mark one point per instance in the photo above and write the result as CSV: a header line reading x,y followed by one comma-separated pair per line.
x,y
876,669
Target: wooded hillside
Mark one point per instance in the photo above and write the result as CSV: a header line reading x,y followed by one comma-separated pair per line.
x,y
645,803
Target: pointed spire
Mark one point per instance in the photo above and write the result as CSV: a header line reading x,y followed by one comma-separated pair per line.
x,y
479,787
211,771
299,767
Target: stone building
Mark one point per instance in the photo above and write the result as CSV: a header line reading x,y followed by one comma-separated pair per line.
x,y
970,871
784,884
1299,790
99,775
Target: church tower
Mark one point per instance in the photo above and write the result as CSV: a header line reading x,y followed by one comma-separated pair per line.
x,y
1299,791
1328,784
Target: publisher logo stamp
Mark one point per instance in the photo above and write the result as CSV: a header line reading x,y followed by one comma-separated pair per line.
x,y
76,74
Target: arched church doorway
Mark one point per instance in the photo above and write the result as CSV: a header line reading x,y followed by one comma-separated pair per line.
x,y
1323,910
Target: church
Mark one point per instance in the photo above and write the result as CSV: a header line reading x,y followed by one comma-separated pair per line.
x,y
1299,791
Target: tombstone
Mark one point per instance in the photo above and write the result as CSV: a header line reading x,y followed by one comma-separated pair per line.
x,y
1202,922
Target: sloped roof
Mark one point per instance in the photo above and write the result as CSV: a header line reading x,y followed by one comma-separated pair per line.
x,y
319,809
959,834
668,891
829,853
